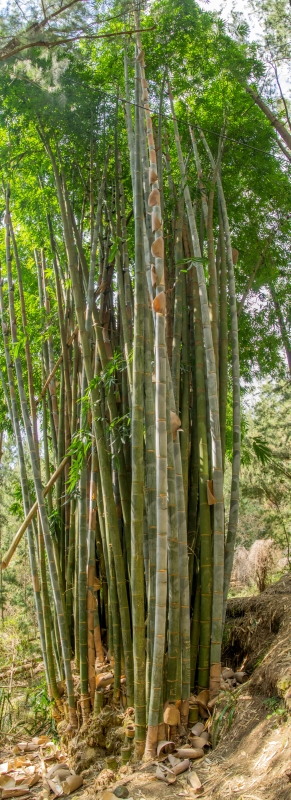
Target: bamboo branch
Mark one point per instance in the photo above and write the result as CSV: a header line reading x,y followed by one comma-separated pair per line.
x,y
275,121
31,513
67,40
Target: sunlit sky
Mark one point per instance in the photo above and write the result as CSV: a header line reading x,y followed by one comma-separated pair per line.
x,y
225,7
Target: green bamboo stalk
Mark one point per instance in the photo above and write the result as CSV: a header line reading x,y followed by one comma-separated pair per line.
x,y
118,263
82,573
47,618
177,326
192,499
95,239
202,188
130,136
60,481
223,338
173,633
102,546
213,289
184,579
62,329
25,331
205,535
41,265
236,440
82,592
70,565
125,257
156,695
51,391
195,631
137,486
94,640
76,591
236,422
150,466
159,146
185,388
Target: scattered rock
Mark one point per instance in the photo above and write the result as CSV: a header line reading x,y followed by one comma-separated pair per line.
x,y
121,791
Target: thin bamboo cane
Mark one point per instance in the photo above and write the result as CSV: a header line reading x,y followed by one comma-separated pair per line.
x,y
65,351
53,688
44,299
82,596
202,189
25,331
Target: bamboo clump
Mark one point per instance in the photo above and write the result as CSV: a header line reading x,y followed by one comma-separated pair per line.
x,y
125,528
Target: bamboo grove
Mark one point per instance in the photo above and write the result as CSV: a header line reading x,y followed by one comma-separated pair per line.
x,y
118,408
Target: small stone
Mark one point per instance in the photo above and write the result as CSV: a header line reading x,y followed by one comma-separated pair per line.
x,y
121,791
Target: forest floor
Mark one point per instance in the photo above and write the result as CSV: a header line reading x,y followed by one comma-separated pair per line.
x,y
252,760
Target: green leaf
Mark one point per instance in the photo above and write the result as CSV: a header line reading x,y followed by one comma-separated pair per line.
x,y
262,451
114,249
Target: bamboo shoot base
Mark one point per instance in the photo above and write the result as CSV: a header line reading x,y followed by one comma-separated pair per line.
x,y
151,741
85,707
214,682
184,711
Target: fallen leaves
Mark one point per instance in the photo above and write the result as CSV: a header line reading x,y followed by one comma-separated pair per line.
x,y
18,775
